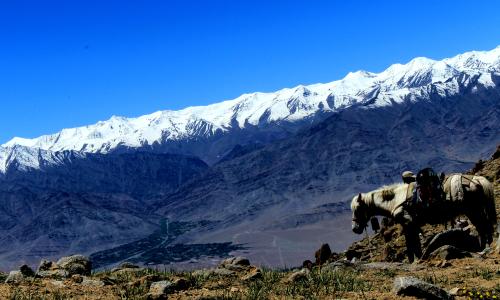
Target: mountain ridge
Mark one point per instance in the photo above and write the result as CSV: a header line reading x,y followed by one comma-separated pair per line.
x,y
398,83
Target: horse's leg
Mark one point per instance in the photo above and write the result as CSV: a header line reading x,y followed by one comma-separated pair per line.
x,y
477,219
478,216
413,247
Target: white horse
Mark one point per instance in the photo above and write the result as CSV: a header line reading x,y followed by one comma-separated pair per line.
x,y
464,194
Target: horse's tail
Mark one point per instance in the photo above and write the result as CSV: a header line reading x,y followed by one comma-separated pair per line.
x,y
489,195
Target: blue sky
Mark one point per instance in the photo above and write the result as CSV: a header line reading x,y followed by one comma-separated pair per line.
x,y
73,63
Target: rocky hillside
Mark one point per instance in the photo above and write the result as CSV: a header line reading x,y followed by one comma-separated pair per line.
x,y
89,203
491,170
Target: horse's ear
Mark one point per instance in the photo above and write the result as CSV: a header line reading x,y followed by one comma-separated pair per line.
x,y
360,199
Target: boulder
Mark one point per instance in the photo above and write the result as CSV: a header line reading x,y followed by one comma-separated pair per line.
x,y
254,274
144,280
235,261
298,276
46,265
236,264
160,289
350,254
132,271
448,252
454,291
75,264
15,277
338,265
323,254
457,237
92,282
413,287
77,278
307,264
222,272
57,283
54,274
125,265
181,284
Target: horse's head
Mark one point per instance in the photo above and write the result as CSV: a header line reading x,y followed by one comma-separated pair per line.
x,y
359,214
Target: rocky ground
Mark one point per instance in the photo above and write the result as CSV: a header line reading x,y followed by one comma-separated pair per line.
x,y
373,268
237,279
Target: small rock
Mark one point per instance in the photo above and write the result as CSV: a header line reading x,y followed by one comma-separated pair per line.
x,y
454,291
46,265
223,272
57,283
181,284
108,280
144,280
307,264
92,282
160,288
339,264
15,277
76,264
444,264
351,254
55,274
127,271
410,286
448,252
125,265
235,261
241,261
27,271
236,268
253,275
77,278
322,254
485,252
458,238
298,276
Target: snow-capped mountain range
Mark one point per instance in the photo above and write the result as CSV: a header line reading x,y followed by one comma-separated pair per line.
x,y
396,84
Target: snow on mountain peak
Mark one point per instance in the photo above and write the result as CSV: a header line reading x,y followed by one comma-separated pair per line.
x,y
289,104
477,61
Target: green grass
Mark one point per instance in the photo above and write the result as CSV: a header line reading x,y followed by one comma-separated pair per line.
x,y
318,284
484,273
19,294
386,273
